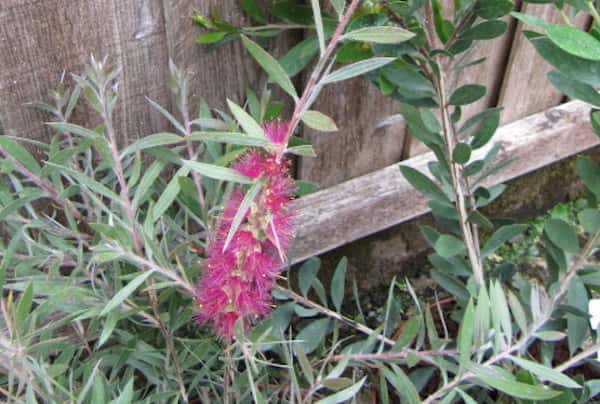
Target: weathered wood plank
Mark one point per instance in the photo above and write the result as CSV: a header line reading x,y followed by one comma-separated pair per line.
x,y
41,39
374,202
526,70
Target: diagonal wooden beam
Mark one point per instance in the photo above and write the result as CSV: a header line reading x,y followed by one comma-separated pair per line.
x,y
374,202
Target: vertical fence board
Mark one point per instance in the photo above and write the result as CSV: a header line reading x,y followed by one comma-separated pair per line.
x,y
215,74
41,39
525,88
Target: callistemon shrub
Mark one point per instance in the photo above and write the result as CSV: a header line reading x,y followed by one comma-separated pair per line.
x,y
239,275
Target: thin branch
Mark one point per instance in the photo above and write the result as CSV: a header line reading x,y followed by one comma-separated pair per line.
x,y
301,104
458,186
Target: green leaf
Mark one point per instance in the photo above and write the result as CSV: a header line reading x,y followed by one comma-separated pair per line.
x,y
126,292
408,334
493,378
167,115
344,395
241,212
486,130
467,94
465,335
126,396
501,235
577,326
546,373
530,19
402,384
241,139
211,37
517,311
298,57
490,9
24,305
307,274
338,283
20,153
356,69
589,172
550,336
154,140
586,71
380,34
448,246
443,27
250,126
304,363
415,120
461,153
319,121
451,284
313,334
423,184
574,41
305,150
316,8
574,89
74,129
217,172
562,234
590,220
168,195
271,66
483,31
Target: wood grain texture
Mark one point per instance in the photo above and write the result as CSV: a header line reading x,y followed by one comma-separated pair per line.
x,y
382,199
216,74
525,88
41,39
359,147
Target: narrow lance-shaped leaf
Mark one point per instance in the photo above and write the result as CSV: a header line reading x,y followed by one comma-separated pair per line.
x,y
271,66
241,212
546,373
319,121
236,138
493,378
344,395
318,23
217,172
356,69
338,283
465,335
126,292
380,34
250,126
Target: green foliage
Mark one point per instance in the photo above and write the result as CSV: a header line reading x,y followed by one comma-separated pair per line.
x,y
101,245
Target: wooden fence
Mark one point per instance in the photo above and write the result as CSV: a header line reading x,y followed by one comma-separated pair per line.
x,y
41,39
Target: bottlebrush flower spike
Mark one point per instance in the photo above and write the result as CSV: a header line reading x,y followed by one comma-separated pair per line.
x,y
237,280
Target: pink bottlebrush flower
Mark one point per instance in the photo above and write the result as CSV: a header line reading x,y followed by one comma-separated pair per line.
x,y
276,131
237,281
